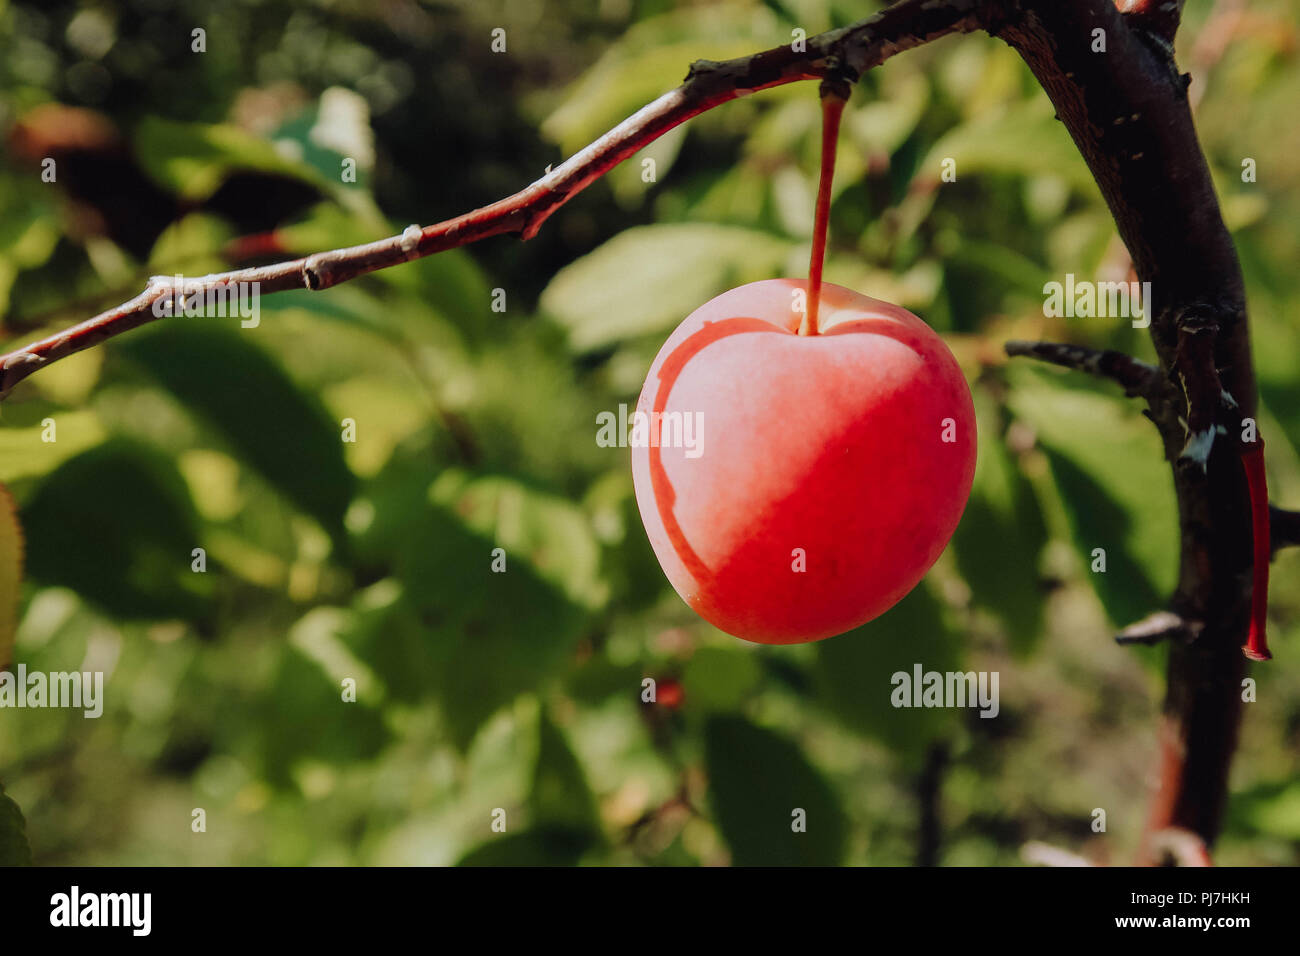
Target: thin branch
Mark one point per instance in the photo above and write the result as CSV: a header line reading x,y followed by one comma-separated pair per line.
x,y
1044,854
1159,18
1285,528
929,793
1160,626
840,55
1179,847
1137,378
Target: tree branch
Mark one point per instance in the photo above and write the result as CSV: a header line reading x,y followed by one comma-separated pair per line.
x,y
1160,626
1285,528
1159,18
1127,111
843,54
1044,854
1179,847
929,793
1137,378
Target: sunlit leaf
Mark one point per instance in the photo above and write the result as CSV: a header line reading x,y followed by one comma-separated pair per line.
x,y
245,394
1115,485
1270,808
28,233
882,124
192,244
647,279
552,535
335,128
25,452
1001,537
462,634
628,564
1021,139
194,158
650,59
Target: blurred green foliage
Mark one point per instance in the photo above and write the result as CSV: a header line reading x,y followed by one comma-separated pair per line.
x,y
368,563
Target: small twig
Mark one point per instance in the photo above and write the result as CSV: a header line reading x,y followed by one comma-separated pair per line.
x,y
1160,626
929,792
1284,528
841,54
1138,379
1044,854
1180,847
1159,18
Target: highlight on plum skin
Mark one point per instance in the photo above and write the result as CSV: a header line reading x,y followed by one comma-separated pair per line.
x,y
828,473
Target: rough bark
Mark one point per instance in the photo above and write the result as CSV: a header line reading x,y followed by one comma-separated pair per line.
x,y
1127,111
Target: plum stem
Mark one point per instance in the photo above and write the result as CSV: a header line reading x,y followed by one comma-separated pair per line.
x,y
833,100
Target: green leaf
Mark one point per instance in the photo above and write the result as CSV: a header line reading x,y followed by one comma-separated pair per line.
x,y
14,848
757,780
648,278
719,678
460,633
193,243
327,225
1280,818
1001,537
1271,809
560,796
29,232
193,159
545,846
1114,484
628,562
302,716
1024,139
633,72
24,453
598,679
11,575
247,397
336,127
116,525
553,535
650,59
454,285
884,124
1005,267
854,673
